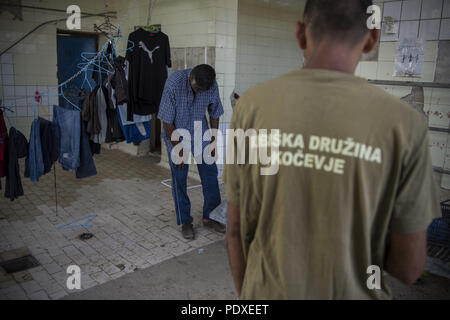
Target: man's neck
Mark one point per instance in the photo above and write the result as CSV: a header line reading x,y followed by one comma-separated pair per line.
x,y
335,58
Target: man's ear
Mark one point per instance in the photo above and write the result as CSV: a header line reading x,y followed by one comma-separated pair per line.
x,y
372,40
301,35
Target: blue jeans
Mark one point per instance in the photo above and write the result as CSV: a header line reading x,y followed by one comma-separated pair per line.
x,y
68,122
210,186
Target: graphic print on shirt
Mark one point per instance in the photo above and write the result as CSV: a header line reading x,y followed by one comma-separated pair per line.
x,y
150,53
297,153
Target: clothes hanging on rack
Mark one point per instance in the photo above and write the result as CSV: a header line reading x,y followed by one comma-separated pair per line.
x,y
132,133
50,153
46,137
130,126
74,94
91,117
147,71
87,166
68,136
90,112
17,148
98,74
3,145
103,120
114,131
34,163
123,107
119,81
95,147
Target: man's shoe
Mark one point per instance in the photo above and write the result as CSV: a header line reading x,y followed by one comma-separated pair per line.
x,y
214,225
187,230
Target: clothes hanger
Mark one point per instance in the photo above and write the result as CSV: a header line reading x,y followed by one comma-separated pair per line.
x,y
96,66
108,29
86,80
130,48
62,94
97,63
151,28
105,56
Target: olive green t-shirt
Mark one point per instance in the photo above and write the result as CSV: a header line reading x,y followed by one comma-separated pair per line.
x,y
353,165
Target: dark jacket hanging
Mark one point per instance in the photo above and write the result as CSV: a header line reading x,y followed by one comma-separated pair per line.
x,y
87,166
17,148
90,112
119,81
3,145
114,131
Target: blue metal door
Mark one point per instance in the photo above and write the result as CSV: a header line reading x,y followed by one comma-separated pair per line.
x,y
69,49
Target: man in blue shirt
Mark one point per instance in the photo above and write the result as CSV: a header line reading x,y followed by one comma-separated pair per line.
x,y
187,95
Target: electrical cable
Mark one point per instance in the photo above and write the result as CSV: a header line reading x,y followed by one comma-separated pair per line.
x,y
41,25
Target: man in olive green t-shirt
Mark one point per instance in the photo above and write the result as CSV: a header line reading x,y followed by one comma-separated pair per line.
x,y
354,192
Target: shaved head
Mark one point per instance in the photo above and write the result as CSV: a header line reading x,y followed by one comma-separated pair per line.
x,y
341,20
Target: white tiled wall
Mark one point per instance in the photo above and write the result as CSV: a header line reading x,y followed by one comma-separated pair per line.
x,y
203,23
267,47
424,20
187,23
32,65
226,51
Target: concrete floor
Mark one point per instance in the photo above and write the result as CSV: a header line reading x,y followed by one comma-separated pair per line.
x,y
137,251
202,275
206,275
134,226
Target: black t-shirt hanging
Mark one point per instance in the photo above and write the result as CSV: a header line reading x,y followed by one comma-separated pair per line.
x,y
148,60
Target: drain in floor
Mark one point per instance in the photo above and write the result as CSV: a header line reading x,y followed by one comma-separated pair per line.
x,y
19,264
86,236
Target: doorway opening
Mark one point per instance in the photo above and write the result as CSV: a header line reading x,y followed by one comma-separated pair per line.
x,y
70,45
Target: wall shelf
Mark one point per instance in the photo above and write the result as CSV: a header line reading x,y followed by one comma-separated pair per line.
x,y
410,84
439,129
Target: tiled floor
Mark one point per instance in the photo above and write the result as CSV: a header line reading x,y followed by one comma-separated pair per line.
x,y
134,226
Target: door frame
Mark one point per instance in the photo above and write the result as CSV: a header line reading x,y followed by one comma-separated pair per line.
x,y
78,34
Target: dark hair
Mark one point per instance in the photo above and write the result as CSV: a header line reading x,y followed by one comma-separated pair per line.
x,y
204,76
341,19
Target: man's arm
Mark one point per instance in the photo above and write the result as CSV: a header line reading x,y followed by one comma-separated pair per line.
x,y
234,245
416,205
214,125
169,128
406,256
